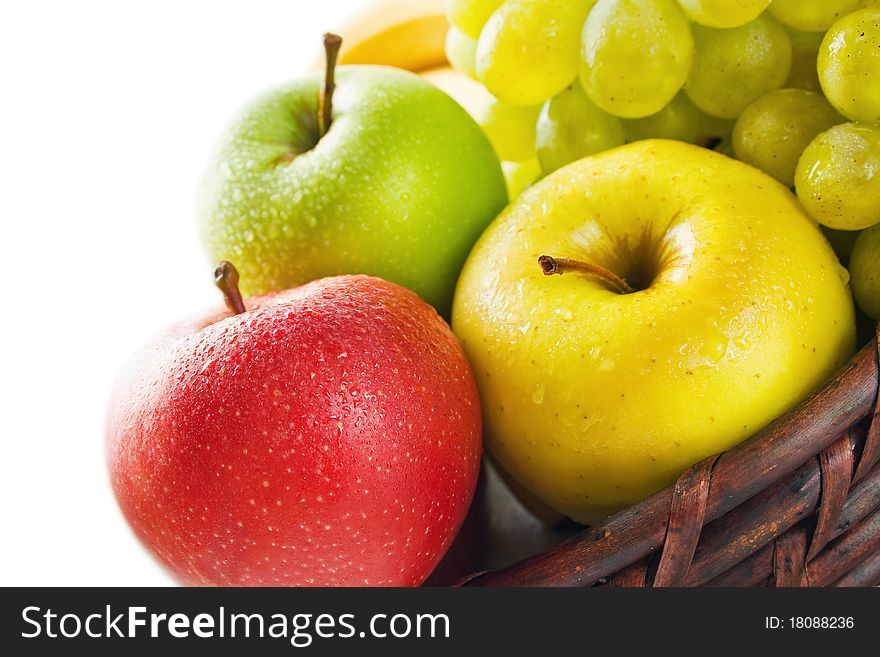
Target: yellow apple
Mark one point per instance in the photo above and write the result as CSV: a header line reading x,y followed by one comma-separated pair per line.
x,y
698,304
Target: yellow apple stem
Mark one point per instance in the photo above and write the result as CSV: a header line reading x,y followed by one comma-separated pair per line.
x,y
226,278
332,44
551,266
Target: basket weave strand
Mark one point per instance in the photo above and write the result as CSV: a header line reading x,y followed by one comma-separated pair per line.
x,y
863,501
836,469
795,505
689,499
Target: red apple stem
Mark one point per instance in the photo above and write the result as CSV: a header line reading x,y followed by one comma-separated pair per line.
x,y
332,45
551,266
226,278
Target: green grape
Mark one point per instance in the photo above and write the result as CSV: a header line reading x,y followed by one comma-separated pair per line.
x,y
528,50
520,176
461,51
571,127
471,15
635,55
837,177
734,67
849,65
511,129
811,15
723,13
842,241
864,266
772,132
680,120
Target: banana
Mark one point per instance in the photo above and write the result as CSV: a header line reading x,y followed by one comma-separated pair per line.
x,y
407,34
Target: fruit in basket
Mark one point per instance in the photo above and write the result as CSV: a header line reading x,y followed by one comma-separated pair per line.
x,y
837,177
511,129
864,266
680,120
618,72
570,127
326,435
735,67
772,132
407,35
528,49
396,181
811,15
697,303
461,51
723,13
849,65
470,16
643,62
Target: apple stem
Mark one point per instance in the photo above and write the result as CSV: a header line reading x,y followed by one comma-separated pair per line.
x,y
332,44
226,278
551,266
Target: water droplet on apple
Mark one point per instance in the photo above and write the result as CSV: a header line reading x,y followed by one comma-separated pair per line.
x,y
248,236
538,394
565,314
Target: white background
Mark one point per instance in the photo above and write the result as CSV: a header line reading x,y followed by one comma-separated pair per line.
x,y
108,114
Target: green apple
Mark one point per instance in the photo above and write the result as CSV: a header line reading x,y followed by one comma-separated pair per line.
x,y
864,266
698,303
400,186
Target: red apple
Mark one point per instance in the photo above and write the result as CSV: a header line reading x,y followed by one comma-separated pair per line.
x,y
327,435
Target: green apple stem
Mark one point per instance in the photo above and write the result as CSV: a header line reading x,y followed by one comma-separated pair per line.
x,y
332,44
226,278
551,266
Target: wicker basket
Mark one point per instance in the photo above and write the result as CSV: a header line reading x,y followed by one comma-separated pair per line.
x,y
798,504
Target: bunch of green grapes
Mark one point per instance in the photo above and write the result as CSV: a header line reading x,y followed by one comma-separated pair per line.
x,y
791,87
837,175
